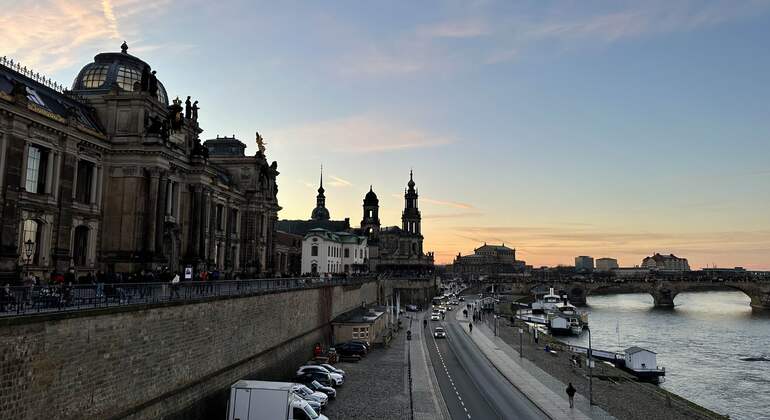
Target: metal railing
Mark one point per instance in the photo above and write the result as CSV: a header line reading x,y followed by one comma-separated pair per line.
x,y
25,300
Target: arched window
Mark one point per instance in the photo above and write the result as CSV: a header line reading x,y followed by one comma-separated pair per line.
x,y
80,248
314,251
314,269
32,230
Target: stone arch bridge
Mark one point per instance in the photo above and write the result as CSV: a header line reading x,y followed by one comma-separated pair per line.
x,y
662,290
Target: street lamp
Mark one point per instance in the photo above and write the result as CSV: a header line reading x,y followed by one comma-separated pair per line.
x,y
29,248
590,369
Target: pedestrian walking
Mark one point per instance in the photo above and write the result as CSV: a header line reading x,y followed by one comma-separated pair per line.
x,y
470,327
571,394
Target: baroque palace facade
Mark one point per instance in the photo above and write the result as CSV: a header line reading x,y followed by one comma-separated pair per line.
x,y
108,176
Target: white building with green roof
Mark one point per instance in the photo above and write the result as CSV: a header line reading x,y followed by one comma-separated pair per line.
x,y
325,252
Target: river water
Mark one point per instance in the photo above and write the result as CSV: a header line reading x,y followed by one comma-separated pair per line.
x,y
700,342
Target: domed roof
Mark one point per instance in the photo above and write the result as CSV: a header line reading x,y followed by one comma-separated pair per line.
x,y
320,213
120,68
411,183
371,198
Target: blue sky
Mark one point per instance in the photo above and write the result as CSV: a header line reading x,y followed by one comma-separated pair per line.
x,y
561,128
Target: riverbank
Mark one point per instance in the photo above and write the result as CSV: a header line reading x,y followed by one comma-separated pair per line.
x,y
614,390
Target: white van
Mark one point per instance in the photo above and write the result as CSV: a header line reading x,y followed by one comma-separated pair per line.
x,y
262,400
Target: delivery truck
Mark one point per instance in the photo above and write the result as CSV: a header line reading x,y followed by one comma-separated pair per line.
x,y
261,400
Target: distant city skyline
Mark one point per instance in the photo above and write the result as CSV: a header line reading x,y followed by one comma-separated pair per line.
x,y
610,129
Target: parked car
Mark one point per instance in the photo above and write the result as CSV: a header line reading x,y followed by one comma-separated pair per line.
x,y
412,308
333,369
323,377
338,379
350,349
365,343
310,395
317,386
439,332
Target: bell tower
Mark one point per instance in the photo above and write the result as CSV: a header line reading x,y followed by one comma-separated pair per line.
x,y
410,218
370,224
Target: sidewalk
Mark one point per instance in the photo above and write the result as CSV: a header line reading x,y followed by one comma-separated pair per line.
x,y
427,401
542,389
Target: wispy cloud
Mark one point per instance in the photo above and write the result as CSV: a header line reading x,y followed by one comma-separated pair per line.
x,y
454,204
440,216
339,182
359,134
49,35
437,46
454,29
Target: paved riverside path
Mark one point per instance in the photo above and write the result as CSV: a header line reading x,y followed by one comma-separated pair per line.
x,y
472,387
541,388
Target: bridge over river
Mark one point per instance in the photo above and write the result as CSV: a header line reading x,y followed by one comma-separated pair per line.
x,y
663,286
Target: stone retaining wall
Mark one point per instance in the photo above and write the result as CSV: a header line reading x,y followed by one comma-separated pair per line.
x,y
164,361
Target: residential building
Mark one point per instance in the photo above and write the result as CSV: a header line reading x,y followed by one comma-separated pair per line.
x,y
606,264
584,264
666,262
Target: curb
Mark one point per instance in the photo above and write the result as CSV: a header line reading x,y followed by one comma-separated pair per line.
x,y
435,389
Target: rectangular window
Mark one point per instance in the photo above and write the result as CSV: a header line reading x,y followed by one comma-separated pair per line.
x,y
37,163
85,181
347,252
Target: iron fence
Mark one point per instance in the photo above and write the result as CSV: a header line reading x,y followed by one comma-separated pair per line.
x,y
25,300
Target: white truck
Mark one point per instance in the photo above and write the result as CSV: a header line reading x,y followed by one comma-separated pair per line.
x,y
261,400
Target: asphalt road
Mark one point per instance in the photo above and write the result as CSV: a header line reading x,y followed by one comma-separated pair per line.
x,y
471,386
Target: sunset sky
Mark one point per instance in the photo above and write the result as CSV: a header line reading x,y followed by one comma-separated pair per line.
x,y
560,128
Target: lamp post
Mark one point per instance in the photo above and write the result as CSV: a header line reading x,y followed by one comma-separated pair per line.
x,y
590,369
29,248
521,342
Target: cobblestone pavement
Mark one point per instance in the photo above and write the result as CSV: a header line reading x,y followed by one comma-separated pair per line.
x,y
614,390
377,387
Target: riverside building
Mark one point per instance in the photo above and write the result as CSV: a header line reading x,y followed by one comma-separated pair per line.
x,y
666,262
110,176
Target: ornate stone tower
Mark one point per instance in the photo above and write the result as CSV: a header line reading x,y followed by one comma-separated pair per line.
x,y
410,218
320,212
370,224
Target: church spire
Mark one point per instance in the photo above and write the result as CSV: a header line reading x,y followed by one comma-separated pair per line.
x,y
321,188
320,212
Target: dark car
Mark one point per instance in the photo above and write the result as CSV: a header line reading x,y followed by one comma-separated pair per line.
x,y
362,342
350,349
323,377
316,386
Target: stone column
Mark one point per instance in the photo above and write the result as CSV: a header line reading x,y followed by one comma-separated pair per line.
x,y
99,185
94,185
151,211
161,211
57,180
49,173
193,247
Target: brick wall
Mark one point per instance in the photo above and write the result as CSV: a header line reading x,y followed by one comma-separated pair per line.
x,y
172,361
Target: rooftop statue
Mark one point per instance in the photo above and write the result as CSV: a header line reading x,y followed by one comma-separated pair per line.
x,y
188,108
260,144
195,111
